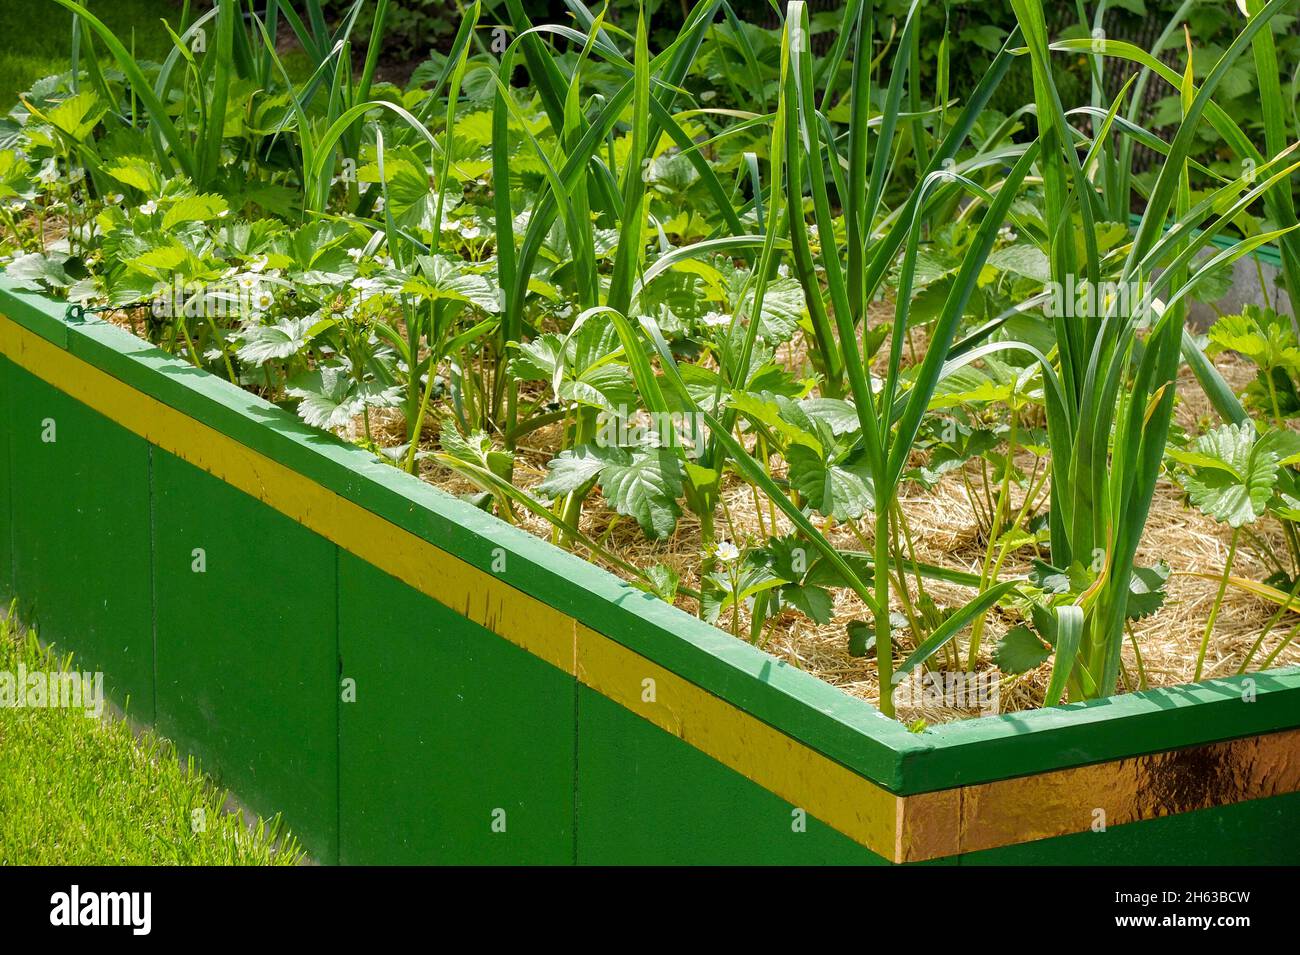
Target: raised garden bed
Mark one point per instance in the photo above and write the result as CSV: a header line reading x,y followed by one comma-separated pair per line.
x,y
411,680
864,386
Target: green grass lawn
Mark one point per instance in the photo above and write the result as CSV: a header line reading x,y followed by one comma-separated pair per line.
x,y
85,791
38,36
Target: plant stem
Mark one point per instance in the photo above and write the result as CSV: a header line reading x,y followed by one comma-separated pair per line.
x,y
995,531
1137,654
1218,602
1268,662
900,581
1268,627
911,552
884,638
583,430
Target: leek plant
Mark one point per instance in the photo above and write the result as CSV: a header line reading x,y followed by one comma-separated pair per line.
x,y
216,53
889,408
584,191
1110,390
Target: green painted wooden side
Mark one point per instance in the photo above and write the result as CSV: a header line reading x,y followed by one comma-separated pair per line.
x,y
645,797
80,531
247,650
1018,744
458,747
843,728
6,504
1259,832
249,656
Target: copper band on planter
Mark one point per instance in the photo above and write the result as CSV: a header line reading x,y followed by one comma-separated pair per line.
x,y
1063,801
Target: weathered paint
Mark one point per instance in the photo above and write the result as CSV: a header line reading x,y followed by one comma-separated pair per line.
x,y
1258,832
1027,808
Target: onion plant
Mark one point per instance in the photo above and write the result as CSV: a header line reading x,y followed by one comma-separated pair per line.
x,y
889,408
216,50
1111,391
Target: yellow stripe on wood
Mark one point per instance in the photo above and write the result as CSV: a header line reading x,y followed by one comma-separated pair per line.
x,y
479,596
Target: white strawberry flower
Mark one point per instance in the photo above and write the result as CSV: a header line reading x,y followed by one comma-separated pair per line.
x,y
715,319
49,173
263,300
149,208
726,551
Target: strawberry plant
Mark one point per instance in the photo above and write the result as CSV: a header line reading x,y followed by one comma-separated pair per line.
x,y
725,308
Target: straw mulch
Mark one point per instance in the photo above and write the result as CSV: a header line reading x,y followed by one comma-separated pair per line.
x,y
945,531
